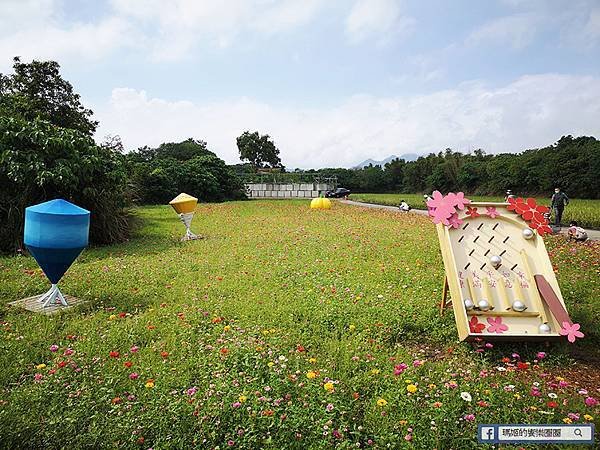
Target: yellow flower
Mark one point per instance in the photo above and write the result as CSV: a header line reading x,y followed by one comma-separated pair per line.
x,y
517,396
382,402
149,384
312,360
328,386
40,366
588,417
226,328
259,349
432,386
270,364
408,381
242,398
265,332
567,420
403,422
272,331
375,371
311,374
411,388
112,317
487,392
352,327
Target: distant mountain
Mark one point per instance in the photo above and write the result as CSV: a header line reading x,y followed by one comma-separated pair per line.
x,y
383,162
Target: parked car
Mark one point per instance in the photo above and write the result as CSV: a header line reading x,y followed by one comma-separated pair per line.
x,y
337,193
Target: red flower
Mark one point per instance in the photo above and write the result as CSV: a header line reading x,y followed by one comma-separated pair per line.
x,y
475,326
128,364
165,355
533,213
552,404
522,365
300,348
472,211
224,351
114,354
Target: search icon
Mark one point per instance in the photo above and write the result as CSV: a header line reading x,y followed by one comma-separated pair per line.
x,y
577,432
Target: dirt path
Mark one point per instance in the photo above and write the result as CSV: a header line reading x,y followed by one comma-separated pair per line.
x,y
593,235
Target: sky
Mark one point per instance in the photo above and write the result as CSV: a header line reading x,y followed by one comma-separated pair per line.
x,y
333,82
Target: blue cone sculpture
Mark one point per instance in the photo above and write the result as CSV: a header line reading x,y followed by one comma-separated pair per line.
x,y
56,232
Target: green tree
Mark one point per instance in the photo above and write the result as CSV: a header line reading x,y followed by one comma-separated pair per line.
x,y
37,90
259,150
41,161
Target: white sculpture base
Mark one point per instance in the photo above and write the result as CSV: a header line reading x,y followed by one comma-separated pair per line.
x,y
53,296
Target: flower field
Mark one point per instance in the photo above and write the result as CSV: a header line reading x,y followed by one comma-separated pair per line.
x,y
585,212
284,327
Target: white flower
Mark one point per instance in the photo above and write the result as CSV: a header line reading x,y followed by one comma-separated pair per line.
x,y
501,369
552,395
466,396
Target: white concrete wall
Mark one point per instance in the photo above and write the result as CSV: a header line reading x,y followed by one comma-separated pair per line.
x,y
286,190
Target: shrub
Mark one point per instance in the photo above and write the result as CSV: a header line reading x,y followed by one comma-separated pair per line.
x,y
40,161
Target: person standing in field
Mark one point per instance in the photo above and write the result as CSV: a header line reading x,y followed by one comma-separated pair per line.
x,y
559,201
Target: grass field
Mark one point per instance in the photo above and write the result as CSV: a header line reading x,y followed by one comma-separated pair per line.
x,y
284,328
585,212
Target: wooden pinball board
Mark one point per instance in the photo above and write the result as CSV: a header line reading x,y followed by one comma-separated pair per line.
x,y
473,275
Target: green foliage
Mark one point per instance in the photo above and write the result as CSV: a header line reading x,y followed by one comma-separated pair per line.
x,y
162,173
572,163
259,150
41,161
37,90
240,333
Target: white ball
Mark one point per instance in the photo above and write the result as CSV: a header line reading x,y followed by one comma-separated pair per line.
x,y
483,305
469,305
495,261
527,233
518,306
544,328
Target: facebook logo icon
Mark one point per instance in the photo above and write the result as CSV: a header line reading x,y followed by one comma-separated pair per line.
x,y
487,434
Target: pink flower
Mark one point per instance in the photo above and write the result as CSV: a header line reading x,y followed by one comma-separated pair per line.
x,y
68,352
329,407
408,437
470,417
236,405
134,349
191,391
336,434
417,363
54,348
591,402
230,443
492,212
541,355
496,325
459,200
454,221
38,377
134,376
442,209
400,368
571,331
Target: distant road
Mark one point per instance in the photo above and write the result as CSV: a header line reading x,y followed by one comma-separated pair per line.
x,y
593,235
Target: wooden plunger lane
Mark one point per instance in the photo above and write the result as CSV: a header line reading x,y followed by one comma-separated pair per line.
x,y
533,288
504,296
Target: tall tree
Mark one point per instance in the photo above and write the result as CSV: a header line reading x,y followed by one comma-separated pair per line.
x,y
259,150
37,90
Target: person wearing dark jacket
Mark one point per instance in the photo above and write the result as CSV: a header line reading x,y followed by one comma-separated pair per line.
x,y
559,201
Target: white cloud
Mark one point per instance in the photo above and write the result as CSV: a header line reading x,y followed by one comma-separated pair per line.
x,y
517,30
381,19
532,111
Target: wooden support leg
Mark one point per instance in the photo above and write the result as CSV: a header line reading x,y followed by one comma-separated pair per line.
x,y
443,303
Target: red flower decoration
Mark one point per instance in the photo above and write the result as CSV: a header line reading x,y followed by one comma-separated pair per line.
x,y
533,213
472,211
475,326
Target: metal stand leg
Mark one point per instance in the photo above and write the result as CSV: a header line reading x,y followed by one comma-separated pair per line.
x,y
53,296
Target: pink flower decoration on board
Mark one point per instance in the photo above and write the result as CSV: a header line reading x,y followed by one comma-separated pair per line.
x,y
454,221
459,200
472,212
492,212
571,331
441,208
496,325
